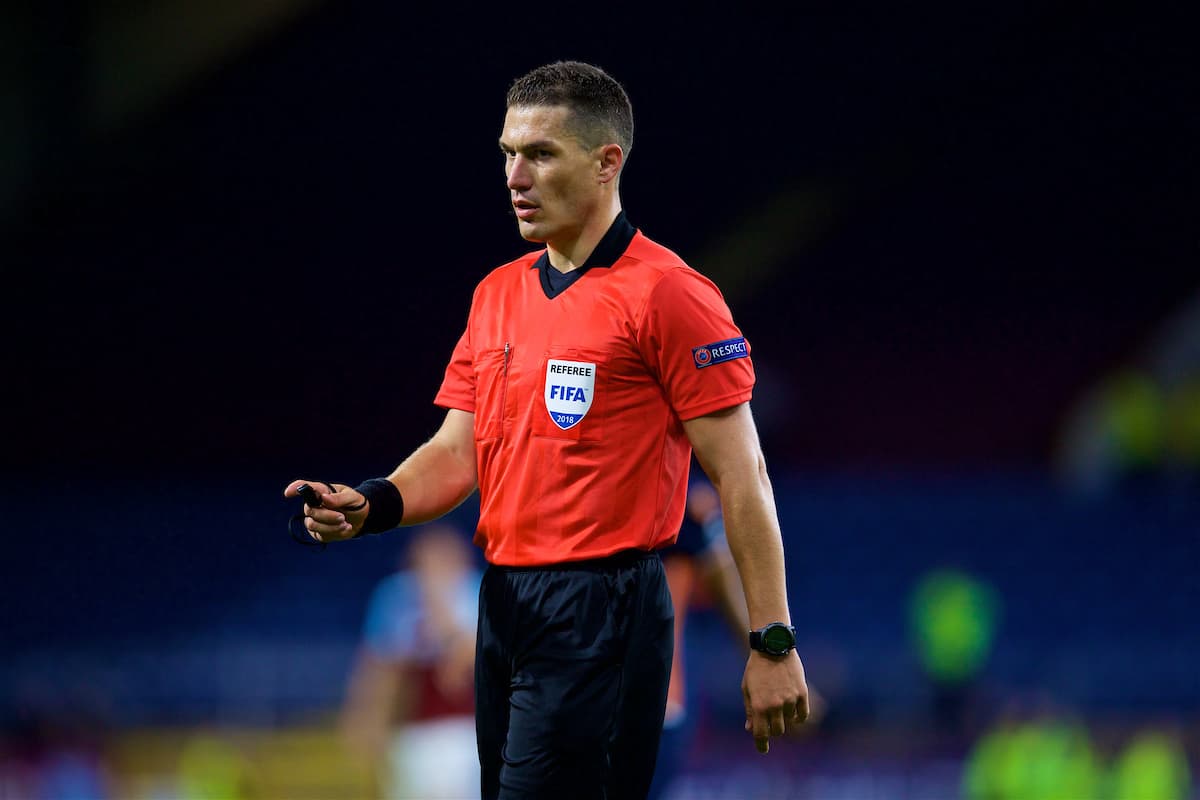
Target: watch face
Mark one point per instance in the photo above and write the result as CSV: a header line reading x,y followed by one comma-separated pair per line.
x,y
778,639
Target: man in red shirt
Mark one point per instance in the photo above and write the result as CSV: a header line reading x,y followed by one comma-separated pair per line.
x,y
588,373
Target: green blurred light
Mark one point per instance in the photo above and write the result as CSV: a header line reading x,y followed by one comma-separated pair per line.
x,y
954,620
1151,767
1046,760
1134,412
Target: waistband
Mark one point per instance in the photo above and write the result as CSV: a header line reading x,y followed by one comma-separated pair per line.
x,y
622,558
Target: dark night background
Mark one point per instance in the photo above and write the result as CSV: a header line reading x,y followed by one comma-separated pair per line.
x,y
939,227
271,266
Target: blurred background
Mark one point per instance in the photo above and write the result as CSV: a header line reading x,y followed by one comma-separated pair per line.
x,y
238,241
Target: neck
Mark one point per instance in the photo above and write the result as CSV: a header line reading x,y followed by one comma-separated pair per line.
x,y
568,256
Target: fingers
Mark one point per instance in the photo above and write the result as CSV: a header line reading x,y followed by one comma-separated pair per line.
x,y
761,732
291,490
771,723
787,717
775,698
344,498
322,488
329,526
756,722
327,523
802,711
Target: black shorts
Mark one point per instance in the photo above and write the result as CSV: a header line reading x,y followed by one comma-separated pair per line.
x,y
571,674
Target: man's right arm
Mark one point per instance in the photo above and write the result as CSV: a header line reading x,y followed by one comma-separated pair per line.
x,y
441,473
433,481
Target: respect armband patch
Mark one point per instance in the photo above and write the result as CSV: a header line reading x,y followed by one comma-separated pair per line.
x,y
719,352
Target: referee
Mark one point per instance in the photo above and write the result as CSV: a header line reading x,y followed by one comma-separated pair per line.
x,y
588,373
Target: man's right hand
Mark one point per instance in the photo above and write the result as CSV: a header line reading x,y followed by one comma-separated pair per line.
x,y
332,522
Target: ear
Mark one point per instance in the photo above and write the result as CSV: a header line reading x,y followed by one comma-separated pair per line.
x,y
611,157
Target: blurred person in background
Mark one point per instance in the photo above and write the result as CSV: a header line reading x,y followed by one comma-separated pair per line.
x,y
588,374
700,569
1052,755
53,749
1140,421
410,704
700,554
1048,755
953,616
1152,765
210,766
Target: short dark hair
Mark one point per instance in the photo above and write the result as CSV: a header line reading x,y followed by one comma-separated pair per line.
x,y
600,109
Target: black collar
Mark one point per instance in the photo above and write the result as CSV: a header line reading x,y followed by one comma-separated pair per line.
x,y
608,250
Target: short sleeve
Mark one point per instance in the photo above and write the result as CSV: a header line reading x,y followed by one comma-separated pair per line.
x,y
688,339
458,385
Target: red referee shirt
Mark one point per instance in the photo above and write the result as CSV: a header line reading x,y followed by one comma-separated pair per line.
x,y
578,397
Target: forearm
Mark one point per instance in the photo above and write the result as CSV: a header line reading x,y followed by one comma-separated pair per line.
x,y
752,530
433,481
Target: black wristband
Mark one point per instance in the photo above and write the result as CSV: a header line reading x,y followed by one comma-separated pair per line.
x,y
386,505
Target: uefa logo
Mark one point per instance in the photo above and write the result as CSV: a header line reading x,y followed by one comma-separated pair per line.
x,y
720,352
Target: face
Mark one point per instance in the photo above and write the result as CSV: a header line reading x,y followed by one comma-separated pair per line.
x,y
439,552
555,183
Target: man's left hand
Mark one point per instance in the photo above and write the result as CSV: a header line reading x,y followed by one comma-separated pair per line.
x,y
776,696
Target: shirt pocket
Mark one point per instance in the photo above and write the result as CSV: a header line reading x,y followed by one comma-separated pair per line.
x,y
571,394
491,389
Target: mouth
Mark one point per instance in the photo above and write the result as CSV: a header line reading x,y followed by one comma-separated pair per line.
x,y
524,209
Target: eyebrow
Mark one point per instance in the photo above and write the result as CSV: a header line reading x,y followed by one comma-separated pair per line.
x,y
540,144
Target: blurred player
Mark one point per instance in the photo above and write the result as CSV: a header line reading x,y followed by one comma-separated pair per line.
x,y
410,705
700,554
700,563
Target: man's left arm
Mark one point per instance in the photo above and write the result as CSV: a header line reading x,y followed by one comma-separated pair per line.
x,y
727,446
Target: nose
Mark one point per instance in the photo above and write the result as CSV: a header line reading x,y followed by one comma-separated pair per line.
x,y
519,176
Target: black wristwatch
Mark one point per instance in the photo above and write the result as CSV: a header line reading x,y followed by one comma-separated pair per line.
x,y
774,639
